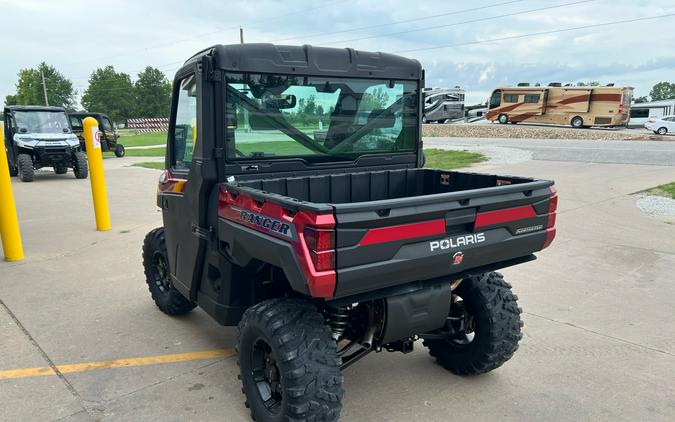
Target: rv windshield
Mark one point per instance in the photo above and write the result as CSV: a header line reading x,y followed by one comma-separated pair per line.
x,y
288,115
35,121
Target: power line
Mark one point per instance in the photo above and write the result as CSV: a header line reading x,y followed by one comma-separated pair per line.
x,y
455,12
429,28
534,34
204,34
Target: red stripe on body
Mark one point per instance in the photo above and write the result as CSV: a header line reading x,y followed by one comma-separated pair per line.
x,y
403,231
489,218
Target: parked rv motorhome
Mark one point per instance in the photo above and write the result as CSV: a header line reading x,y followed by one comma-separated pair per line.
x,y
442,104
641,112
561,105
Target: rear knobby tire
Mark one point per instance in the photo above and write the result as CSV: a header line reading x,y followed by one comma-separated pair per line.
x,y
301,379
156,267
26,170
119,151
80,165
497,327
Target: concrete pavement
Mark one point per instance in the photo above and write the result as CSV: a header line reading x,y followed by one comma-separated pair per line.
x,y
598,303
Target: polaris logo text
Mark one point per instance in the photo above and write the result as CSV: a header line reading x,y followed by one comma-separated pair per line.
x,y
456,242
266,223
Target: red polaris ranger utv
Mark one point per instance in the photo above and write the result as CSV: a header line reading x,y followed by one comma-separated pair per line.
x,y
295,206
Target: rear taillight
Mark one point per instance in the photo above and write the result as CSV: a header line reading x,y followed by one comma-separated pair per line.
x,y
550,223
321,245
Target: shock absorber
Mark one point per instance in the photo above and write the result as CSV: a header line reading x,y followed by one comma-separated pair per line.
x,y
337,319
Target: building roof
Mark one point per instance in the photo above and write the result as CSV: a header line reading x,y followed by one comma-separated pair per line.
x,y
650,104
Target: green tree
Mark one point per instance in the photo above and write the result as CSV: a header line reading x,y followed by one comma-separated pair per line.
x,y
642,99
662,91
374,100
153,93
11,100
111,93
29,89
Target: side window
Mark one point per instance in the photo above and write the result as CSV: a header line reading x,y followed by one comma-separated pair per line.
x,y
107,126
76,123
510,98
185,130
534,98
495,99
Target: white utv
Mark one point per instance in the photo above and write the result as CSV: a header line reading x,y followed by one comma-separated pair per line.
x,y
39,136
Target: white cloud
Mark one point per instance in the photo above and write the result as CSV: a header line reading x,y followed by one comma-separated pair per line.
x,y
131,35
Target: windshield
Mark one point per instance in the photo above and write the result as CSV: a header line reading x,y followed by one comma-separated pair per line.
x,y
286,115
42,121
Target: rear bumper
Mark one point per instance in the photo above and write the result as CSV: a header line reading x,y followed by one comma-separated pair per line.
x,y
417,262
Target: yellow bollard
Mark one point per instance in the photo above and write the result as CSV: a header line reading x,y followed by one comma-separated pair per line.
x,y
9,223
95,157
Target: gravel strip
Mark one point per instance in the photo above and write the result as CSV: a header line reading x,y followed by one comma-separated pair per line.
x,y
656,205
536,132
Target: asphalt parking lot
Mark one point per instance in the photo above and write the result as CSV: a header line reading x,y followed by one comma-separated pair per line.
x,y
82,341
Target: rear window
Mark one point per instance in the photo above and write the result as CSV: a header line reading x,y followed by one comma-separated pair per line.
x,y
639,112
76,122
319,118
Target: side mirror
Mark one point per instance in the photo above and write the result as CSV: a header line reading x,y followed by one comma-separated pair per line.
x,y
23,130
280,102
66,130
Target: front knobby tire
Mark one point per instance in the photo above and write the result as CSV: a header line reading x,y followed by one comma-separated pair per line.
x,y
80,165
288,363
495,327
26,169
156,266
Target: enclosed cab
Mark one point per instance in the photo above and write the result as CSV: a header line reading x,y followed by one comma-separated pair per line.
x,y
295,205
110,135
39,136
561,105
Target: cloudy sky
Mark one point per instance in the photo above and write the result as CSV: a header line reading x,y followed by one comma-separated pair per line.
x,y
478,44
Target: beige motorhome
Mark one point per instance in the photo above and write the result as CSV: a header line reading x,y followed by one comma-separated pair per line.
x,y
561,105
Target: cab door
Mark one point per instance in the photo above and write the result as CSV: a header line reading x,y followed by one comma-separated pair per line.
x,y
108,132
192,175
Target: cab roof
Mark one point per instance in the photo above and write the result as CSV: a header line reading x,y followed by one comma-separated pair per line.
x,y
33,108
310,60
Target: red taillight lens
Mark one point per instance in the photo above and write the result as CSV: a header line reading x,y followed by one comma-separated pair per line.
x,y
321,245
553,203
323,261
551,220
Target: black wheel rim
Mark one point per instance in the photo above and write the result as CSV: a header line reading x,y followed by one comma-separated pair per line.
x,y
266,376
462,325
161,272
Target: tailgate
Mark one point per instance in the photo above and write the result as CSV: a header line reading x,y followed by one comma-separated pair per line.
x,y
394,241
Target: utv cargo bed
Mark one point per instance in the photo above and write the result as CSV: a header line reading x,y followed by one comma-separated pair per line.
x,y
379,229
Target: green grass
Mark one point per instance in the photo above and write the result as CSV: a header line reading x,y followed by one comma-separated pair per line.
x,y
142,139
145,152
664,190
156,165
444,159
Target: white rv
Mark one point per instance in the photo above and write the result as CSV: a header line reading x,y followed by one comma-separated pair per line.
x,y
641,112
443,104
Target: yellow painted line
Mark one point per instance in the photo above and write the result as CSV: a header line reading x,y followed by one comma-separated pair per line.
x,y
116,363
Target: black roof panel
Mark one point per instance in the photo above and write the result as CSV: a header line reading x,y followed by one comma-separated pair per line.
x,y
309,60
34,108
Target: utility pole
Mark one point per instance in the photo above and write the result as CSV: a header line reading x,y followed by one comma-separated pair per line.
x,y
241,34
44,87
